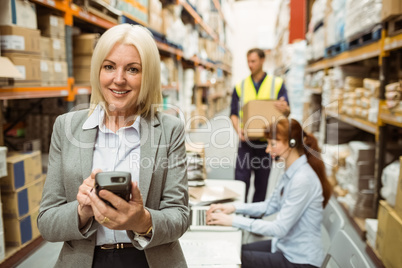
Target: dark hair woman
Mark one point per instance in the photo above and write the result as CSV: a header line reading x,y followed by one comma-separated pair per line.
x,y
298,199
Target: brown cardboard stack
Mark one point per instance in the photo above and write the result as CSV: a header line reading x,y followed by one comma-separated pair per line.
x,y
393,96
173,75
389,234
363,102
155,18
390,9
348,106
83,47
21,195
53,50
19,12
22,47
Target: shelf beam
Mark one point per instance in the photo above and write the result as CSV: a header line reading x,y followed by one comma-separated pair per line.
x,y
198,19
366,52
393,42
356,122
61,5
80,13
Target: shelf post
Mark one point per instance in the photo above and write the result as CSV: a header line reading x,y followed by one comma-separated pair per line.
x,y
384,62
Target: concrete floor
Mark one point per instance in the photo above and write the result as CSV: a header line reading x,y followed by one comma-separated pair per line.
x,y
221,148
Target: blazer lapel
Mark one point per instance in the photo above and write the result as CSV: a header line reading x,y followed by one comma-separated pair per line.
x,y
150,138
87,141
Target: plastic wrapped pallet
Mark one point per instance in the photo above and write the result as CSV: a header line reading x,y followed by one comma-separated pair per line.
x,y
389,179
361,16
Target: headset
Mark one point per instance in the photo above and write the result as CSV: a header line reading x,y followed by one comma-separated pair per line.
x,y
292,141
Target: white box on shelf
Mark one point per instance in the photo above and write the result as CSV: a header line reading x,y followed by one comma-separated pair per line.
x,y
3,161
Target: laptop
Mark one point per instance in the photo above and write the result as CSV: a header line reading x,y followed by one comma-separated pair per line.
x,y
207,195
198,216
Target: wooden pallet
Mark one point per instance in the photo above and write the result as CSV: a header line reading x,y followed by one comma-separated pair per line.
x,y
365,37
336,49
395,26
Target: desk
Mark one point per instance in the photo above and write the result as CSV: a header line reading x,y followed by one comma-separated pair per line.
x,y
204,240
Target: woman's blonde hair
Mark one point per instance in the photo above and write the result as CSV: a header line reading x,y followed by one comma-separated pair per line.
x,y
141,38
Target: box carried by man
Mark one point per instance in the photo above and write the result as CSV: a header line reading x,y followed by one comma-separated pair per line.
x,y
258,115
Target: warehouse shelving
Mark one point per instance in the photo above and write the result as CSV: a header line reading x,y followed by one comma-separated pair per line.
x,y
73,13
356,122
386,117
365,52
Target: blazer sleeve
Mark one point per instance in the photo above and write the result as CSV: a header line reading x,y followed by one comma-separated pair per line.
x,y
58,217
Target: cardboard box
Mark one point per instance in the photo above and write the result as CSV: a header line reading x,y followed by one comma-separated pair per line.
x,y
57,49
25,200
51,26
82,61
257,116
60,73
391,255
47,72
22,230
84,44
22,169
28,65
398,199
18,39
390,9
45,48
19,12
383,215
8,69
82,75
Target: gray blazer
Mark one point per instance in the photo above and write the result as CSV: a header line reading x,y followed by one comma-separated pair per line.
x,y
163,186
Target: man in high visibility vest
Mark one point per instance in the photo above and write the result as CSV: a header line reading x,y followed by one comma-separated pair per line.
x,y
251,154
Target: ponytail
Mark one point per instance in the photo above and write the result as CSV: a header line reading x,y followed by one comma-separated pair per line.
x,y
312,152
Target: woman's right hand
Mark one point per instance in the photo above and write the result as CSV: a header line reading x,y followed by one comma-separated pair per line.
x,y
224,208
84,202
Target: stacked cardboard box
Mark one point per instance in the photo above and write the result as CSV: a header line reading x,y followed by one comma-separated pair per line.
x,y
53,50
172,71
136,9
19,12
349,97
155,18
21,195
83,47
22,47
390,9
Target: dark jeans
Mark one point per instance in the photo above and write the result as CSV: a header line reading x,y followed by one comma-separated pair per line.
x,y
252,157
119,258
258,255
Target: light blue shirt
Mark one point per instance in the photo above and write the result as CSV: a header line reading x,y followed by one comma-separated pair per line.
x,y
296,231
118,151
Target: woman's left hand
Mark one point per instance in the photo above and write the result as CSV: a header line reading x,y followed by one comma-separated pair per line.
x,y
126,215
219,218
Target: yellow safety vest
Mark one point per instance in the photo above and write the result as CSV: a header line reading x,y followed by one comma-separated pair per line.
x,y
250,93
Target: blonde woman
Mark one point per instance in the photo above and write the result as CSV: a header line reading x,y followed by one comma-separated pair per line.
x,y
122,131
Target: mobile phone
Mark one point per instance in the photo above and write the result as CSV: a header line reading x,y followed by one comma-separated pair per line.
x,y
117,182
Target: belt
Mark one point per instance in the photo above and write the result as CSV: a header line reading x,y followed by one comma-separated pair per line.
x,y
116,246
